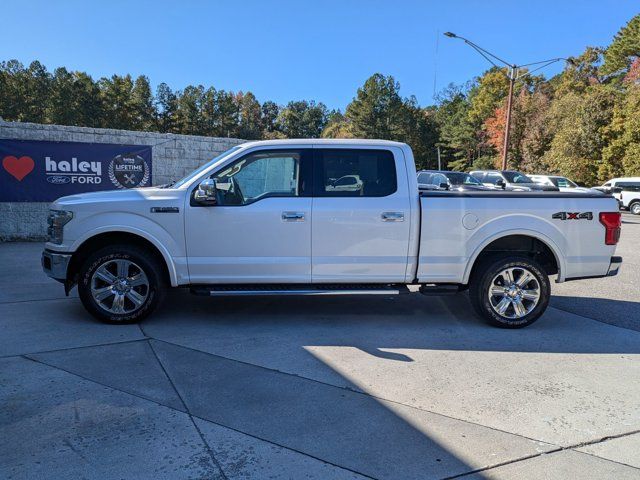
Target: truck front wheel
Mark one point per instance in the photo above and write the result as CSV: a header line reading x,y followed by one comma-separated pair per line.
x,y
121,284
509,291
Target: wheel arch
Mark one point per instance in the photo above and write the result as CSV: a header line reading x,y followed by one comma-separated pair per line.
x,y
126,236
527,242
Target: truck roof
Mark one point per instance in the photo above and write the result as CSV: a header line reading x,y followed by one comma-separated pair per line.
x,y
325,141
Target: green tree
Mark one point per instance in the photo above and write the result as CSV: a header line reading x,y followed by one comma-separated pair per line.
x,y
489,93
60,111
270,111
621,157
189,113
115,93
579,122
227,112
302,119
624,49
33,85
142,104
377,111
250,116
337,126
457,139
166,109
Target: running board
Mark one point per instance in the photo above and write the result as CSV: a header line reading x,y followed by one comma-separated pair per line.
x,y
440,289
272,289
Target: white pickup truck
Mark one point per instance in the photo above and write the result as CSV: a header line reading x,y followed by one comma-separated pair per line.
x,y
278,218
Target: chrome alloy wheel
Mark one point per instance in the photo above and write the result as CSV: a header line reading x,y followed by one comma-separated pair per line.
x,y
119,286
514,292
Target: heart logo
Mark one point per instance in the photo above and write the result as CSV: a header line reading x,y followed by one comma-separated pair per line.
x,y
18,167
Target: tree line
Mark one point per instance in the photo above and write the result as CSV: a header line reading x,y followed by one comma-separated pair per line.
x,y
583,123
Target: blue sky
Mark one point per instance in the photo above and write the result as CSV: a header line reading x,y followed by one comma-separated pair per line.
x,y
290,50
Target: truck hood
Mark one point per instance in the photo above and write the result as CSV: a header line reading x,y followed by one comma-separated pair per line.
x,y
148,194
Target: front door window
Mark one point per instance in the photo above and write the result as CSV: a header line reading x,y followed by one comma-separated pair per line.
x,y
259,175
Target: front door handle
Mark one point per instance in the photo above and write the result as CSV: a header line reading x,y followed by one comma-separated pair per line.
x,y
392,217
293,216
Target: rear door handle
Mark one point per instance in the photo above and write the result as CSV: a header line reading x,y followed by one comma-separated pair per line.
x,y
392,217
293,216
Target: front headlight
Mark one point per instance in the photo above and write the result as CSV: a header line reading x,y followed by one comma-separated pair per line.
x,y
56,221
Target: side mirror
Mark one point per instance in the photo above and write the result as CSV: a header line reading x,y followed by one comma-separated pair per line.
x,y
500,183
444,186
206,193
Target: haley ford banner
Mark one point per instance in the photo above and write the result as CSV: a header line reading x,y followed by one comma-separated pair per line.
x,y
34,171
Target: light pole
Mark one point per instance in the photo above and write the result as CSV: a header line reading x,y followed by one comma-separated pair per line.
x,y
513,75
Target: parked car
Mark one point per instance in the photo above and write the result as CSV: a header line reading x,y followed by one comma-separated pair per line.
x,y
448,180
608,187
276,228
510,180
348,183
563,183
628,198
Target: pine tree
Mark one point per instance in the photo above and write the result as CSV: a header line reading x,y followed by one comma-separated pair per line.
x,y
624,49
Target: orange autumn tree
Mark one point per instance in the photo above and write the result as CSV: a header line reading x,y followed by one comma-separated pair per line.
x,y
494,127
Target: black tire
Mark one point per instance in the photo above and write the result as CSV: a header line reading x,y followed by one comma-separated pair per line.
x,y
486,276
153,291
635,208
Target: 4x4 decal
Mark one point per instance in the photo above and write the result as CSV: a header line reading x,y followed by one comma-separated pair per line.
x,y
572,216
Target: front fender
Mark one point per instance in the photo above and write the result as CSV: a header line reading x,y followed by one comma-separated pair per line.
x,y
137,225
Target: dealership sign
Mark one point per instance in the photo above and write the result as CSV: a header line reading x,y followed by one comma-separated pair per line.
x,y
34,171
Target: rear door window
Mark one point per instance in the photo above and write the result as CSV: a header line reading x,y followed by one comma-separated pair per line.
x,y
354,173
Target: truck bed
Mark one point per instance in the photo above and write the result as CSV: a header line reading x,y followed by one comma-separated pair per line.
x,y
447,251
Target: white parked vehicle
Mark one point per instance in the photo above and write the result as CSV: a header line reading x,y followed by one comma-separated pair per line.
x,y
510,180
563,183
629,198
622,182
348,183
262,219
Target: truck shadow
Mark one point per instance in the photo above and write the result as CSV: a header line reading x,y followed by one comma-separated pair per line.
x,y
405,322
621,313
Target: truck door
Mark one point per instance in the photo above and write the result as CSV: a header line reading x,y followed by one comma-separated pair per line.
x,y
260,229
361,215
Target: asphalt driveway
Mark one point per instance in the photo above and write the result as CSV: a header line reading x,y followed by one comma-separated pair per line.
x,y
335,387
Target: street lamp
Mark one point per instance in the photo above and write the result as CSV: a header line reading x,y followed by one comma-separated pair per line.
x,y
513,75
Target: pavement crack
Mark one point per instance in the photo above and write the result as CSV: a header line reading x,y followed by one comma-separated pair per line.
x,y
502,464
184,404
603,439
38,300
41,352
558,450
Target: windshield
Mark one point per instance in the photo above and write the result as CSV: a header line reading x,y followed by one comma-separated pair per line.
x,y
460,178
424,177
201,169
562,182
516,177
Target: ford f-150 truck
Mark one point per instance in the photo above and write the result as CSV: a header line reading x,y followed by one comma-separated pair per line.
x,y
279,218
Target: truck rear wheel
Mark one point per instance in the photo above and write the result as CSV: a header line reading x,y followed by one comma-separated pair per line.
x,y
635,208
510,291
121,284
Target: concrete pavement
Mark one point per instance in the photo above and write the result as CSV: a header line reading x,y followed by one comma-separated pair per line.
x,y
339,387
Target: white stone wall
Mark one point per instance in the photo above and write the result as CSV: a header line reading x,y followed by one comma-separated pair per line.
x,y
173,157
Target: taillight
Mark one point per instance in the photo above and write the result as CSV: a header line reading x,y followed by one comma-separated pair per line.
x,y
612,222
